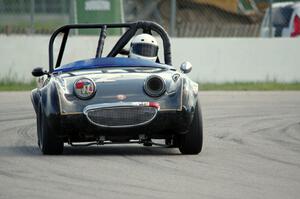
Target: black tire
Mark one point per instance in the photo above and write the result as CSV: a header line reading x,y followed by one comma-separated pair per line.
x,y
192,141
48,141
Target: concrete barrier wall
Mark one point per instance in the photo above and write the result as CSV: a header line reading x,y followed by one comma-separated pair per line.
x,y
213,59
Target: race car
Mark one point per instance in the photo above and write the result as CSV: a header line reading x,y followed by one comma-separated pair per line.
x,y
127,96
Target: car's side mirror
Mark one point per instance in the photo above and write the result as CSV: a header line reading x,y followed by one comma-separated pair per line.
x,y
186,67
37,72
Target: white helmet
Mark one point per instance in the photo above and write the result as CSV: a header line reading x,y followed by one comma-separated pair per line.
x,y
144,46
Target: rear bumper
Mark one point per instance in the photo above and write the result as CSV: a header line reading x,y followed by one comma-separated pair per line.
x,y
166,123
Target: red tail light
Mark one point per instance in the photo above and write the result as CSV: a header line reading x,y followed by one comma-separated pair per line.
x,y
154,104
296,31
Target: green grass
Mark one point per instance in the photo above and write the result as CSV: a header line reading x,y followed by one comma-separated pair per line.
x,y
16,86
250,86
7,84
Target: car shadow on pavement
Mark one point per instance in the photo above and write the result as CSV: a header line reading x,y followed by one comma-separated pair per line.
x,y
24,150
115,150
120,150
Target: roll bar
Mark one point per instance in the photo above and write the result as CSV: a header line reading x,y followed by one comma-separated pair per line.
x,y
132,28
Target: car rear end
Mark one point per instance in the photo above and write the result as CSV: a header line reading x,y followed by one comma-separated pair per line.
x,y
285,20
295,22
124,106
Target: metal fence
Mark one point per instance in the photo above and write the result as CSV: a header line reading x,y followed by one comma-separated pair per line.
x,y
33,16
181,18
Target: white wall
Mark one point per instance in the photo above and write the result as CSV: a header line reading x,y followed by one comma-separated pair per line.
x,y
213,59
238,59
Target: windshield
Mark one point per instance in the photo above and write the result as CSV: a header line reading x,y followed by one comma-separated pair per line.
x,y
281,16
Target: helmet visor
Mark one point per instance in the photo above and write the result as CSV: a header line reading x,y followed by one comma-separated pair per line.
x,y
146,50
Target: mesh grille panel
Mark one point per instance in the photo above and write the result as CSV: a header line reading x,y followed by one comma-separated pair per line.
x,y
121,116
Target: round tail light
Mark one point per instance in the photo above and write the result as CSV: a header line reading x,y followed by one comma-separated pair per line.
x,y
154,86
84,88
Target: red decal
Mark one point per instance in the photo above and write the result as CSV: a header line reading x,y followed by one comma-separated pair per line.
x,y
79,85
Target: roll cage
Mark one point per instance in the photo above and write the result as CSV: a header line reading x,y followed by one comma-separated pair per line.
x,y
131,29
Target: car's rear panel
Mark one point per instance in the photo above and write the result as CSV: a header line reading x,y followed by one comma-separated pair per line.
x,y
110,86
106,114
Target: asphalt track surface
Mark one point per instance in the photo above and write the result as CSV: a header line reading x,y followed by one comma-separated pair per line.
x,y
251,150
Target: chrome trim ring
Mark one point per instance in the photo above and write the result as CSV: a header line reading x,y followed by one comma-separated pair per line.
x,y
153,93
81,97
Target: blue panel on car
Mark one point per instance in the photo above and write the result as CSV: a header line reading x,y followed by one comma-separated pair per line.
x,y
109,62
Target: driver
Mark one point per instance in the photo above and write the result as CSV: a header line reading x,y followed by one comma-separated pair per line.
x,y
144,46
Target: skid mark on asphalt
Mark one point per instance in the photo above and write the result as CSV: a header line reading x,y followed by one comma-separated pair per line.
x,y
16,119
292,131
277,160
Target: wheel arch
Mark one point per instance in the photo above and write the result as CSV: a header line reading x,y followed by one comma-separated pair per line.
x,y
190,94
49,101
35,99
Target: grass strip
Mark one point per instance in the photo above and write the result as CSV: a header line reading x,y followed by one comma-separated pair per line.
x,y
250,86
10,85
16,86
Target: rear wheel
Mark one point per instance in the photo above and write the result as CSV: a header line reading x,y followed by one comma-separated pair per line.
x,y
191,142
49,142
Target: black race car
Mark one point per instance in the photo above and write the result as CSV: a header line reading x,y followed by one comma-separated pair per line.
x,y
115,99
